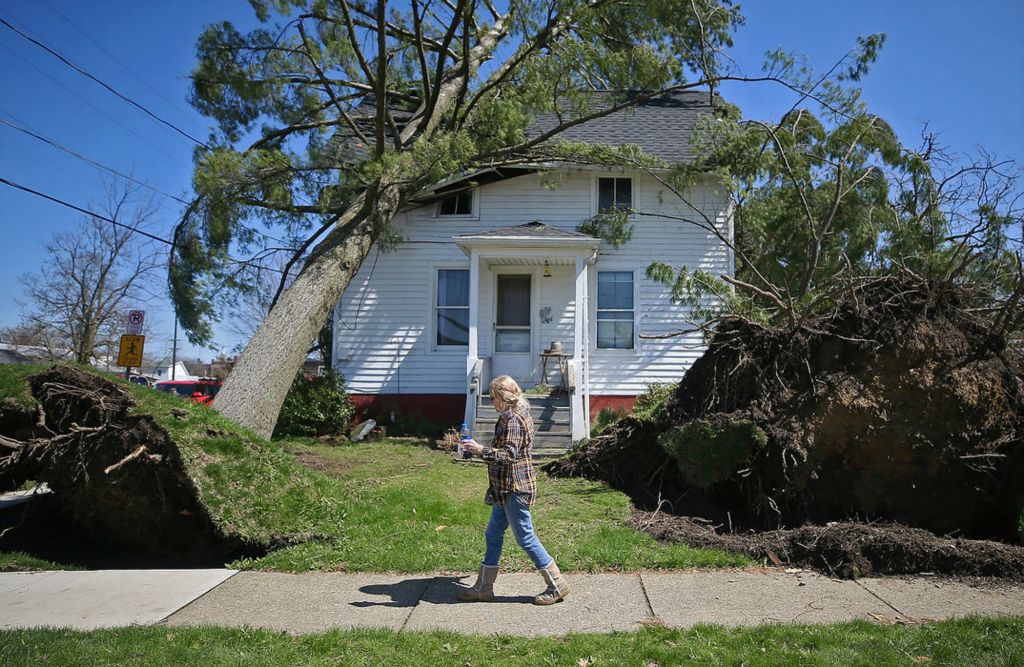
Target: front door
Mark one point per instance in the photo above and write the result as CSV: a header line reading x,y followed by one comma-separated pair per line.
x,y
513,333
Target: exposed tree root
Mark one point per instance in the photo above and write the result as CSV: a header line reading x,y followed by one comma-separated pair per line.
x,y
117,475
905,404
848,549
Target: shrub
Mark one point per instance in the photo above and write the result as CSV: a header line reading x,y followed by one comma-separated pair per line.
x,y
315,406
650,406
605,418
710,451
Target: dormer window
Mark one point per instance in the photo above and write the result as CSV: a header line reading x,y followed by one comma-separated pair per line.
x,y
460,203
614,194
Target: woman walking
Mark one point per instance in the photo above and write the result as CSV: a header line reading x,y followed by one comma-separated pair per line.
x,y
512,486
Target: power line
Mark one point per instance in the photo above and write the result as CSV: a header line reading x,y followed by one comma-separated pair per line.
x,y
25,129
91,105
123,175
102,83
136,230
117,60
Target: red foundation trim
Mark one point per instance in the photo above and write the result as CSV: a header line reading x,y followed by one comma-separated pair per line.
x,y
440,408
598,403
448,408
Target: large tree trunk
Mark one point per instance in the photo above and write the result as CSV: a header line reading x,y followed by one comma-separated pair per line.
x,y
254,392
259,382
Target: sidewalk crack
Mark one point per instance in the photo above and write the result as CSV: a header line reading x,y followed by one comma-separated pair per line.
x,y
880,598
647,598
419,599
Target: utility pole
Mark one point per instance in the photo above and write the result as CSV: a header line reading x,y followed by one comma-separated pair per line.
x,y
174,346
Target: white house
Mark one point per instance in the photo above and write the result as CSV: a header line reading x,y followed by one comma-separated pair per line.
x,y
164,373
492,270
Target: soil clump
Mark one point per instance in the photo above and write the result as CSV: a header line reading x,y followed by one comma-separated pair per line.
x,y
116,476
847,549
904,404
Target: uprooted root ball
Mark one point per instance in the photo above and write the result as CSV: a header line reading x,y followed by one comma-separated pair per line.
x,y
903,404
118,475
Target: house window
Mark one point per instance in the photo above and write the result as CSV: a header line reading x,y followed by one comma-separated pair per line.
x,y
460,203
615,310
614,194
452,307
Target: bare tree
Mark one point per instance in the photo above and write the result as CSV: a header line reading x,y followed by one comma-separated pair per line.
x,y
263,287
93,275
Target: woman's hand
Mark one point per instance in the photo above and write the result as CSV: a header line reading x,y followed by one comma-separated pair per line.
x,y
473,447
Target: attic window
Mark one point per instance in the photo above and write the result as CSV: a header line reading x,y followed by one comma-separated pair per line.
x,y
460,203
614,194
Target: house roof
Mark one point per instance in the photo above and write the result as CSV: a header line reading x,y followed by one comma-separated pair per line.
x,y
530,230
661,126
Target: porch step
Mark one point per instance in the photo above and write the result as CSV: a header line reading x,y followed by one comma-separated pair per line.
x,y
486,426
538,412
546,441
535,400
552,418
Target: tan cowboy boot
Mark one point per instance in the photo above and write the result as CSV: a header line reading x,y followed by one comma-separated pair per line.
x,y
557,588
483,589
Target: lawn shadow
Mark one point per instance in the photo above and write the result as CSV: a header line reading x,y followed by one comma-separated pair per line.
x,y
434,590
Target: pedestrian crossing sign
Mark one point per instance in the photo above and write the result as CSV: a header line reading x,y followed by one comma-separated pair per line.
x,y
130,351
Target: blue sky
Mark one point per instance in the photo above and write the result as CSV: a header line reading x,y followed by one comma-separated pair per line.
x,y
957,66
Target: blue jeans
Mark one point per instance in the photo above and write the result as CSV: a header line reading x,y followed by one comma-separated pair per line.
x,y
515,514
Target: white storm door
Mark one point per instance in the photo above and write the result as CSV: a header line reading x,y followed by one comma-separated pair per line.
x,y
513,332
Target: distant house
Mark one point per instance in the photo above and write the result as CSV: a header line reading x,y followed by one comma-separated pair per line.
x,y
164,372
492,270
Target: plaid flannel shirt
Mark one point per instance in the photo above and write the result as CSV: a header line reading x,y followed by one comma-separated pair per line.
x,y
509,469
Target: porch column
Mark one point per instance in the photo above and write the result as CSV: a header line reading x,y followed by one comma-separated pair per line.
x,y
473,344
474,305
579,318
580,424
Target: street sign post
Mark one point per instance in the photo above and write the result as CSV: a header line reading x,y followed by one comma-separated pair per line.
x,y
135,320
130,351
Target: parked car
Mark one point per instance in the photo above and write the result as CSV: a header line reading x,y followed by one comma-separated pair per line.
x,y
200,391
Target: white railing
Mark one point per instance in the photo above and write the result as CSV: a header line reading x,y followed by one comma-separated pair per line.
x,y
474,371
580,428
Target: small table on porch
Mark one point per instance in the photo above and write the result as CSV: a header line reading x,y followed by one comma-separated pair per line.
x,y
563,367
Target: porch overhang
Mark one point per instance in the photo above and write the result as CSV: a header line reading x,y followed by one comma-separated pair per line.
x,y
532,241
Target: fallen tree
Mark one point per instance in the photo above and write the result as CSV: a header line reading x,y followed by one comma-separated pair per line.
x,y
904,404
148,471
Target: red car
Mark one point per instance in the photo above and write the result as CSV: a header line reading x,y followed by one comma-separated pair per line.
x,y
200,391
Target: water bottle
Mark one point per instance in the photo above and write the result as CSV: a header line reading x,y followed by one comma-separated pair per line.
x,y
465,435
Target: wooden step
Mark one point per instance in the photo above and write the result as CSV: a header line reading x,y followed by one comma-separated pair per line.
x,y
545,453
550,453
543,425
538,412
558,400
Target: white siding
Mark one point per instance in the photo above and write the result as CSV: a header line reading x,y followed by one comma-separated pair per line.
x,y
384,323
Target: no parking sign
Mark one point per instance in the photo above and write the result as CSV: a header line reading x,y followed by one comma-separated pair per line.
x,y
135,320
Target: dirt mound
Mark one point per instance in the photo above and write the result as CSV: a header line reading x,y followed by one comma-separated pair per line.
x,y
903,404
847,550
117,475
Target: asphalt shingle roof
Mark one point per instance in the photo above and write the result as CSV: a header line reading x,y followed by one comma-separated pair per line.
x,y
661,126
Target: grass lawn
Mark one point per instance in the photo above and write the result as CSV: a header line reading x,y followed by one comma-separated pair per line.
x,y
407,508
972,641
393,506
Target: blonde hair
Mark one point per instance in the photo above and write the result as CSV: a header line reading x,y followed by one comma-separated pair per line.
x,y
507,391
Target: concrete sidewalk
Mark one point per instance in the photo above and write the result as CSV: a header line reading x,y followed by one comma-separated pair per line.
x,y
301,603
